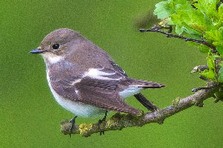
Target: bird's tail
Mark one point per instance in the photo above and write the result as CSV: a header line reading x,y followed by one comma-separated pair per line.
x,y
146,84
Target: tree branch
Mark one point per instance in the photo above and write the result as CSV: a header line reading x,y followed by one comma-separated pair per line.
x,y
120,121
170,35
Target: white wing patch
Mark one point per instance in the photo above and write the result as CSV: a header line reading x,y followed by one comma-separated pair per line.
x,y
99,74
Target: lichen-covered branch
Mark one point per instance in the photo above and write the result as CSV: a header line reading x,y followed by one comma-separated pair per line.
x,y
120,121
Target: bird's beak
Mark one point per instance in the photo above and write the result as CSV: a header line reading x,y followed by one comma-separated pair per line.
x,y
37,51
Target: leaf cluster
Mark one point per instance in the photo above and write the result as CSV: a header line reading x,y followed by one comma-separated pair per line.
x,y
197,19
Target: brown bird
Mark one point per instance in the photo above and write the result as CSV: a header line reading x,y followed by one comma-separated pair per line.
x,y
84,79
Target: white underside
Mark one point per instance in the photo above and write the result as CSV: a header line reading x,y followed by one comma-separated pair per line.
x,y
131,90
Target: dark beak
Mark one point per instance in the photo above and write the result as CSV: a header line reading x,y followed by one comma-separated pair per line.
x,y
37,51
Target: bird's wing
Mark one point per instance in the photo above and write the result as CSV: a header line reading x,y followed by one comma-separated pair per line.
x,y
103,94
97,87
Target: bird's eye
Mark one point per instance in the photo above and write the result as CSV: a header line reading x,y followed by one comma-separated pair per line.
x,y
55,46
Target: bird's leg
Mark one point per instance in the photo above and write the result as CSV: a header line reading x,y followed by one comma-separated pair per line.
x,y
100,122
72,121
149,105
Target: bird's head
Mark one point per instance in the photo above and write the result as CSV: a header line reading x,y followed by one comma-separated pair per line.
x,y
57,44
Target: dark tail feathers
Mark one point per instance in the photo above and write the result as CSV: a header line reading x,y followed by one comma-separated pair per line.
x,y
147,84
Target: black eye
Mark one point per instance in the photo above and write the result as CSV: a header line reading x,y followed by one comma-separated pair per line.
x,y
55,46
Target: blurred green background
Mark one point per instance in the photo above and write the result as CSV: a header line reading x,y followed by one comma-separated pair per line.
x,y
29,116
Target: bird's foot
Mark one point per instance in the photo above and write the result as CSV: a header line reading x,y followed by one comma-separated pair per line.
x,y
72,121
100,121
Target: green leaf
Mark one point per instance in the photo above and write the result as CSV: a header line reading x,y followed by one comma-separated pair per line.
x,y
220,49
210,62
162,10
220,75
208,74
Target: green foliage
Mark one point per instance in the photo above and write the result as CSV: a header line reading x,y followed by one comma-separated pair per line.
x,y
201,20
210,72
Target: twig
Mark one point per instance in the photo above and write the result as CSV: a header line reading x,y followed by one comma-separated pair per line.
x,y
120,121
170,35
